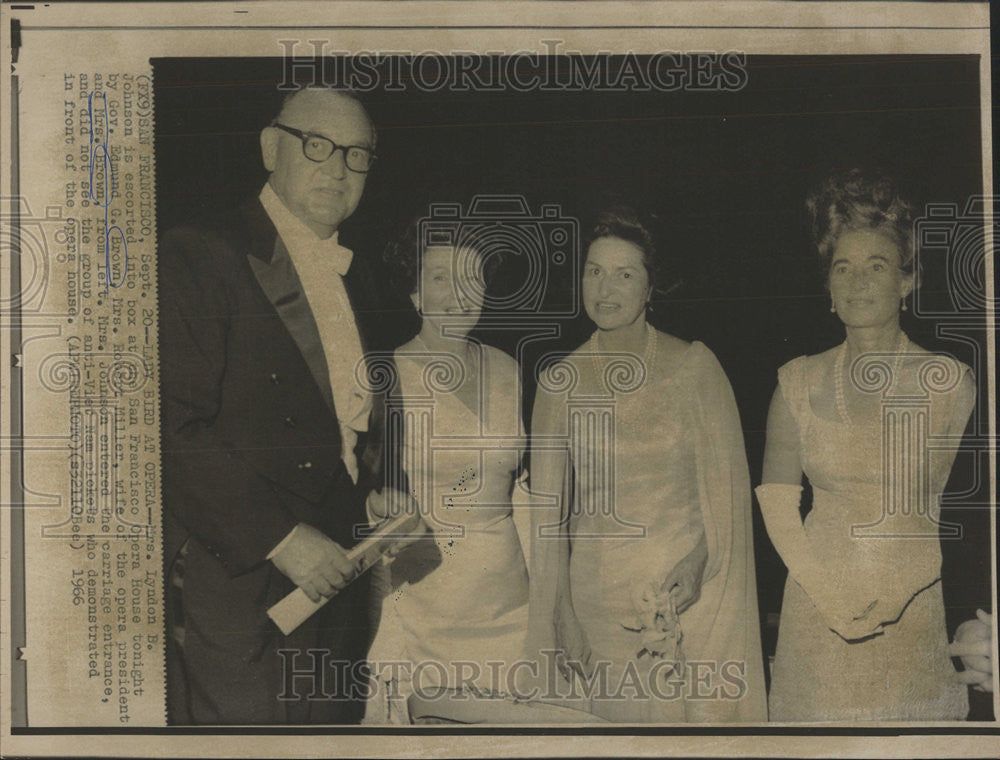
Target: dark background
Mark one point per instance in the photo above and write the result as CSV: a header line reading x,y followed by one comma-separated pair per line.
x,y
726,173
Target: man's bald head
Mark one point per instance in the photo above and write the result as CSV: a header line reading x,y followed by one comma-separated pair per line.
x,y
287,104
322,194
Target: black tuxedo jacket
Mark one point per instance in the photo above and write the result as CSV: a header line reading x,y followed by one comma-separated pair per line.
x,y
251,447
251,443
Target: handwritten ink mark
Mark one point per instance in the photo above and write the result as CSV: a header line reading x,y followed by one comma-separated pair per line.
x,y
110,191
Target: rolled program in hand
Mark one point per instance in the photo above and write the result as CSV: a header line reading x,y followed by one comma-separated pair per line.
x,y
296,608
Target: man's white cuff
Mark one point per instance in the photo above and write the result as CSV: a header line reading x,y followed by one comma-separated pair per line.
x,y
284,542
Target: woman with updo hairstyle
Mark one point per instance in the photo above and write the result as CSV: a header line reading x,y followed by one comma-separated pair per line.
x,y
642,573
873,424
451,609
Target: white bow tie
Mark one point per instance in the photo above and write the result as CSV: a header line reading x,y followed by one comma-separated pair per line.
x,y
335,256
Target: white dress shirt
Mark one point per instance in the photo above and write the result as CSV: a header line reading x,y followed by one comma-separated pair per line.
x,y
320,264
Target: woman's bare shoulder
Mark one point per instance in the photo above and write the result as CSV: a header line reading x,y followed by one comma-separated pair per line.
x,y
918,355
809,368
820,360
668,344
939,372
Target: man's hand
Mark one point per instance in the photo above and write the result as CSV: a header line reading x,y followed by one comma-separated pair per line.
x,y
973,644
390,503
315,563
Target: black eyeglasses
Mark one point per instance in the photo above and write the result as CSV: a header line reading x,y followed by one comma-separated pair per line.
x,y
318,148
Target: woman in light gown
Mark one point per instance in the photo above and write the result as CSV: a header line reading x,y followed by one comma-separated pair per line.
x,y
642,553
874,423
451,609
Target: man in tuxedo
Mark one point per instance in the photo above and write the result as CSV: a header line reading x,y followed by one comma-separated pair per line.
x,y
270,433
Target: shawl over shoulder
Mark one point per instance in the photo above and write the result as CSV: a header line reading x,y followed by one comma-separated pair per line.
x,y
735,691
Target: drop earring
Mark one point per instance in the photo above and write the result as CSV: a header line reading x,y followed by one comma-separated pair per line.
x,y
833,307
902,303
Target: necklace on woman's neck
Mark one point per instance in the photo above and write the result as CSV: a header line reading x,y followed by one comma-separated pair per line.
x,y
646,360
838,375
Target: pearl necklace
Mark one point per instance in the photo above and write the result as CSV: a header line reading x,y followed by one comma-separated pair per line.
x,y
838,375
648,355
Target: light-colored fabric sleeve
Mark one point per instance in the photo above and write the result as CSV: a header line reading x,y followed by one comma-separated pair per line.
x,y
550,473
724,486
793,382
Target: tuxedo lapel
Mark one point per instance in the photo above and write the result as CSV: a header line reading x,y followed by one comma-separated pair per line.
x,y
273,269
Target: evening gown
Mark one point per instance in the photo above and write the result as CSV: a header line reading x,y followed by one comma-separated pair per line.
x,y
906,673
669,470
461,595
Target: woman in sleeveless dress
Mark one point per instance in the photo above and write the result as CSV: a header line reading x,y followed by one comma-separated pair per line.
x,y
874,424
452,607
642,563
